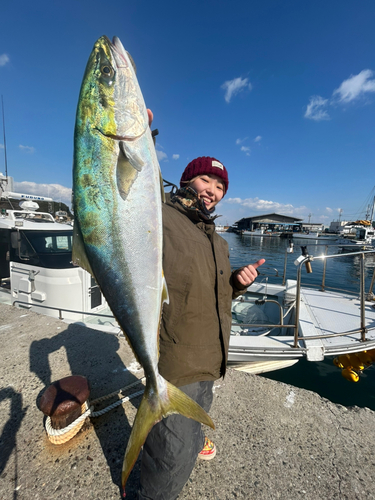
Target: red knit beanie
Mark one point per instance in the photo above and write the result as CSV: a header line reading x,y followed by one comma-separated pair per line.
x,y
202,166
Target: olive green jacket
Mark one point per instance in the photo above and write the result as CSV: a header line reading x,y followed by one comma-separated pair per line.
x,y
195,326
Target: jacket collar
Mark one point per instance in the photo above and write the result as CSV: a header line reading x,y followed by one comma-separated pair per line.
x,y
186,200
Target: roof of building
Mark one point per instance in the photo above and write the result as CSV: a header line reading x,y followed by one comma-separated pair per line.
x,y
271,218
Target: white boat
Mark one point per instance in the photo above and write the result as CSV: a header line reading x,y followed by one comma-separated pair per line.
x,y
360,233
260,232
315,236
328,236
256,232
306,236
364,238
274,325
36,271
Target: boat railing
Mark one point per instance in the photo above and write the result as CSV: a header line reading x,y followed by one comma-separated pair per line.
x,y
323,285
362,296
307,259
61,310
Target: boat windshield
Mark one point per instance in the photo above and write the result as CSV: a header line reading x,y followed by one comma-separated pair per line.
x,y
43,249
35,217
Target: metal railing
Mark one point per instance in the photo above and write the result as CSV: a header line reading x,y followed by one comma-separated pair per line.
x,y
362,329
61,309
303,260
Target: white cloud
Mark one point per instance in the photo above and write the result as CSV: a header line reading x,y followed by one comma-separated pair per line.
x,y
258,138
315,111
239,141
4,59
1,146
234,200
329,210
27,149
355,86
265,206
161,155
54,191
245,149
175,157
233,87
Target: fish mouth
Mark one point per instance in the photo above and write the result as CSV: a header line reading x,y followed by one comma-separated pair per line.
x,y
123,58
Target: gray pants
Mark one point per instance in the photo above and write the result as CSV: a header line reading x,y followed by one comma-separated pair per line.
x,y
171,449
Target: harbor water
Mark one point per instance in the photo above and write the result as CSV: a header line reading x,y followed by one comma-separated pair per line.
x,y
343,273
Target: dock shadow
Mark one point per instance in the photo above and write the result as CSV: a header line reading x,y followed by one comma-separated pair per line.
x,y
9,434
94,355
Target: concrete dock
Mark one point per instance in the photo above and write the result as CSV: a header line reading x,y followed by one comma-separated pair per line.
x,y
274,441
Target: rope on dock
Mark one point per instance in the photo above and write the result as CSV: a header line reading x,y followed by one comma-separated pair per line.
x,y
61,436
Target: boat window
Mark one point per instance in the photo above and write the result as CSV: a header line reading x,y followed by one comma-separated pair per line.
x,y
43,249
35,217
53,243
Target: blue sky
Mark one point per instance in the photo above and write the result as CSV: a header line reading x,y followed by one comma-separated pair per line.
x,y
281,92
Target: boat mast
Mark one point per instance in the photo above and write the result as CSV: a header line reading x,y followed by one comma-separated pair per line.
x,y
5,145
372,210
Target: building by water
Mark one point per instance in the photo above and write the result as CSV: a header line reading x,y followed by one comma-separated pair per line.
x,y
274,222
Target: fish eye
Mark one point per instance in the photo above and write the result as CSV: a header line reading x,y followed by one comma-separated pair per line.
x,y
106,70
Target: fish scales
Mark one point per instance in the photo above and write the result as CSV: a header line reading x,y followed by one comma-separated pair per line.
x,y
118,223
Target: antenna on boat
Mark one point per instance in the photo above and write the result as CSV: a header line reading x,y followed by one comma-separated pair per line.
x,y
5,145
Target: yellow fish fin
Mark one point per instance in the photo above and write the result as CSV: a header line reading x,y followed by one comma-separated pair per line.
x,y
151,411
79,256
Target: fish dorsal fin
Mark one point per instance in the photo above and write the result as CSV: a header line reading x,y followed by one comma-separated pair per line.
x,y
79,256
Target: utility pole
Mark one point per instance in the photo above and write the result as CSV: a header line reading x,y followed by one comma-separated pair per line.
x,y
340,212
310,217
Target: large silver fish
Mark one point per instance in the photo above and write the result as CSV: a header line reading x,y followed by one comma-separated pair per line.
x,y
118,223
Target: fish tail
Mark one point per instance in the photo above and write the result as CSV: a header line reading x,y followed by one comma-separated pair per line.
x,y
180,403
151,411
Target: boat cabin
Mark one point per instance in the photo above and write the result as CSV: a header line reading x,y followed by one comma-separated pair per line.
x,y
36,268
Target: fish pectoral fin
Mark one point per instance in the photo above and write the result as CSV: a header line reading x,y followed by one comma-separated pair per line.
x,y
150,413
79,256
126,174
129,152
